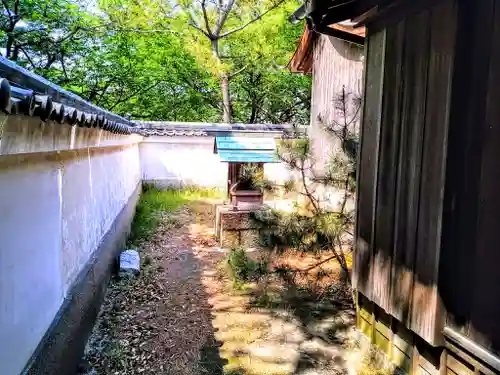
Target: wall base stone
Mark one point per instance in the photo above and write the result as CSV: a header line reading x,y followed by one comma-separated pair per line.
x,y
414,356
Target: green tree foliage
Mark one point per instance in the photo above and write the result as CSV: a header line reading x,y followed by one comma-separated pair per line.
x,y
147,77
241,38
149,58
271,95
43,34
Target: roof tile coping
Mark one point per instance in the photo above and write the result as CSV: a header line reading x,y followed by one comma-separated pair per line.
x,y
22,91
199,129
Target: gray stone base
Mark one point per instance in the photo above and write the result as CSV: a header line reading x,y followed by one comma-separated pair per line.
x,y
61,349
236,228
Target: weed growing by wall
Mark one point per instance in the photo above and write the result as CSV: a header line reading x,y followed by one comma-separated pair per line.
x,y
156,202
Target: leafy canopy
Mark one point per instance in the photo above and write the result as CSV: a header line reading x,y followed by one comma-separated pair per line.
x,y
145,58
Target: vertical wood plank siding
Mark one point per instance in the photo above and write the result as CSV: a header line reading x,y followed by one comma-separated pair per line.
x,y
410,163
367,164
387,173
466,139
402,167
428,224
469,279
485,304
337,64
427,317
387,170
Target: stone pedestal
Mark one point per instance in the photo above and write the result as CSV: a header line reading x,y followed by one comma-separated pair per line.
x,y
235,227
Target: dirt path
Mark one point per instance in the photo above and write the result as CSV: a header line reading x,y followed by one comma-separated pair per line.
x,y
161,323
180,318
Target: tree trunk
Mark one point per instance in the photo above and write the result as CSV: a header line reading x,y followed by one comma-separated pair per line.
x,y
226,98
224,85
255,110
15,53
10,44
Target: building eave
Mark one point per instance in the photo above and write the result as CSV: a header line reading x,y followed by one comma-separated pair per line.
x,y
302,59
335,18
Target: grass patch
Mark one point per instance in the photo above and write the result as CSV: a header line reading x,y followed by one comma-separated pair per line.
x,y
242,269
375,363
124,337
155,202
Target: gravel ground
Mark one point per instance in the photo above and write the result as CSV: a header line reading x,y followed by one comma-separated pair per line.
x,y
181,318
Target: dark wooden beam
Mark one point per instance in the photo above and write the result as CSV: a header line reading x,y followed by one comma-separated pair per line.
x,y
390,12
353,38
470,346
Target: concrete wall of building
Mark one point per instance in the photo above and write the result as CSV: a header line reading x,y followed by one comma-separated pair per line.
x,y
184,161
61,188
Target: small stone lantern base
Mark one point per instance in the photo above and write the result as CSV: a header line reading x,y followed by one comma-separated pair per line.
x,y
235,227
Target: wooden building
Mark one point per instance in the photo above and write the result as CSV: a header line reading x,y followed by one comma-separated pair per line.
x,y
428,208
334,57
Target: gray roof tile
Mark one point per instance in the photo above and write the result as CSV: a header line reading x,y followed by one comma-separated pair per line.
x,y
197,129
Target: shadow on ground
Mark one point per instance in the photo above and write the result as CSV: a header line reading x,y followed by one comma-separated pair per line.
x,y
281,326
325,322
160,322
287,323
182,318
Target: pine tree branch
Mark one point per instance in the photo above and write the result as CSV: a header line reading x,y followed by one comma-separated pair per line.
x,y
320,229
318,264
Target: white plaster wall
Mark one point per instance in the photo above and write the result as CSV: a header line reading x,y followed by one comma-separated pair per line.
x,y
181,161
31,286
278,172
96,187
55,207
30,134
61,188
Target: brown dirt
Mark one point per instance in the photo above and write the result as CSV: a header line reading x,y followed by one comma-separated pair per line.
x,y
180,317
161,322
